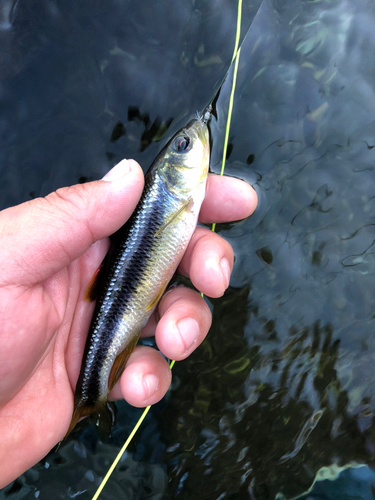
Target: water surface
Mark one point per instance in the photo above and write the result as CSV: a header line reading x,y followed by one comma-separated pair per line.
x,y
282,391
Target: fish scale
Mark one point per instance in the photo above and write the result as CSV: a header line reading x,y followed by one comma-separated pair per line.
x,y
141,262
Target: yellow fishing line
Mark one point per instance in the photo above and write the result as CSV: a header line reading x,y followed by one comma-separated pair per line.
x,y
122,451
238,29
236,58
230,109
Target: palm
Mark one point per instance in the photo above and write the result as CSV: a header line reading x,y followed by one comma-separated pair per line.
x,y
39,357
44,317
50,249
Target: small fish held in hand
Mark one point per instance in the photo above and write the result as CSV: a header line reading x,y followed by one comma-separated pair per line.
x,y
141,262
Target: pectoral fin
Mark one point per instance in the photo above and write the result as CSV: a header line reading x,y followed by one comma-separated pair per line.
x,y
176,216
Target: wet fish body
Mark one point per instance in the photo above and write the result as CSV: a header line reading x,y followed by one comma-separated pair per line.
x,y
140,264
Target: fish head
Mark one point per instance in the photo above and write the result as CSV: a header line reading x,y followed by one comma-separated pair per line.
x,y
183,164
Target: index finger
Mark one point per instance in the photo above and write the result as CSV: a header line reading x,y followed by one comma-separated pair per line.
x,y
227,199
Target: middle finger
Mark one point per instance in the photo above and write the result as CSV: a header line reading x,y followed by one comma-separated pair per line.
x,y
208,262
180,323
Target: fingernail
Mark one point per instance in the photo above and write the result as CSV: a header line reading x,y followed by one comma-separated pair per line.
x,y
189,331
225,269
150,384
117,171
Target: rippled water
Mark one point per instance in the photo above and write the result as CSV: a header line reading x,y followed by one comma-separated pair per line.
x,y
278,402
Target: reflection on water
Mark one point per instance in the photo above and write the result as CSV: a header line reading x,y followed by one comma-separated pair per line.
x,y
284,385
343,483
70,72
270,427
304,399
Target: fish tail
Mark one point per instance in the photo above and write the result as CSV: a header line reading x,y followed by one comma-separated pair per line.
x,y
101,413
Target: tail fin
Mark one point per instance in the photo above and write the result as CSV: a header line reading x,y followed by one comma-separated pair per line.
x,y
101,413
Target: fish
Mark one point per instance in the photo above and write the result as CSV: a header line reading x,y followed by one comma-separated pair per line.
x,y
140,264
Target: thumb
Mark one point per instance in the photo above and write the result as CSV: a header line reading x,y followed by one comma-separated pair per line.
x,y
42,236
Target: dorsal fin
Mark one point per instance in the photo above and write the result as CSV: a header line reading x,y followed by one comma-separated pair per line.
x,y
91,293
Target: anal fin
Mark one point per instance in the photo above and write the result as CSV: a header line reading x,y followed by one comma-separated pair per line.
x,y
120,362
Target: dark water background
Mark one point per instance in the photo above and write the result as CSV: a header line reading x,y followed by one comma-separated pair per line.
x,y
281,394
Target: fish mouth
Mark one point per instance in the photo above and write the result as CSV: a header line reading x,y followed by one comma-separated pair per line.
x,y
199,127
206,114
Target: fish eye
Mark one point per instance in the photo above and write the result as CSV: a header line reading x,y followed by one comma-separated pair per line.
x,y
181,143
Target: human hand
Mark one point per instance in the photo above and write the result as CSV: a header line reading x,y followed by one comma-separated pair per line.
x,y
50,249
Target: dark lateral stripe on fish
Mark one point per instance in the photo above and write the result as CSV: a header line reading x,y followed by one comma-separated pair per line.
x,y
134,268
133,273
